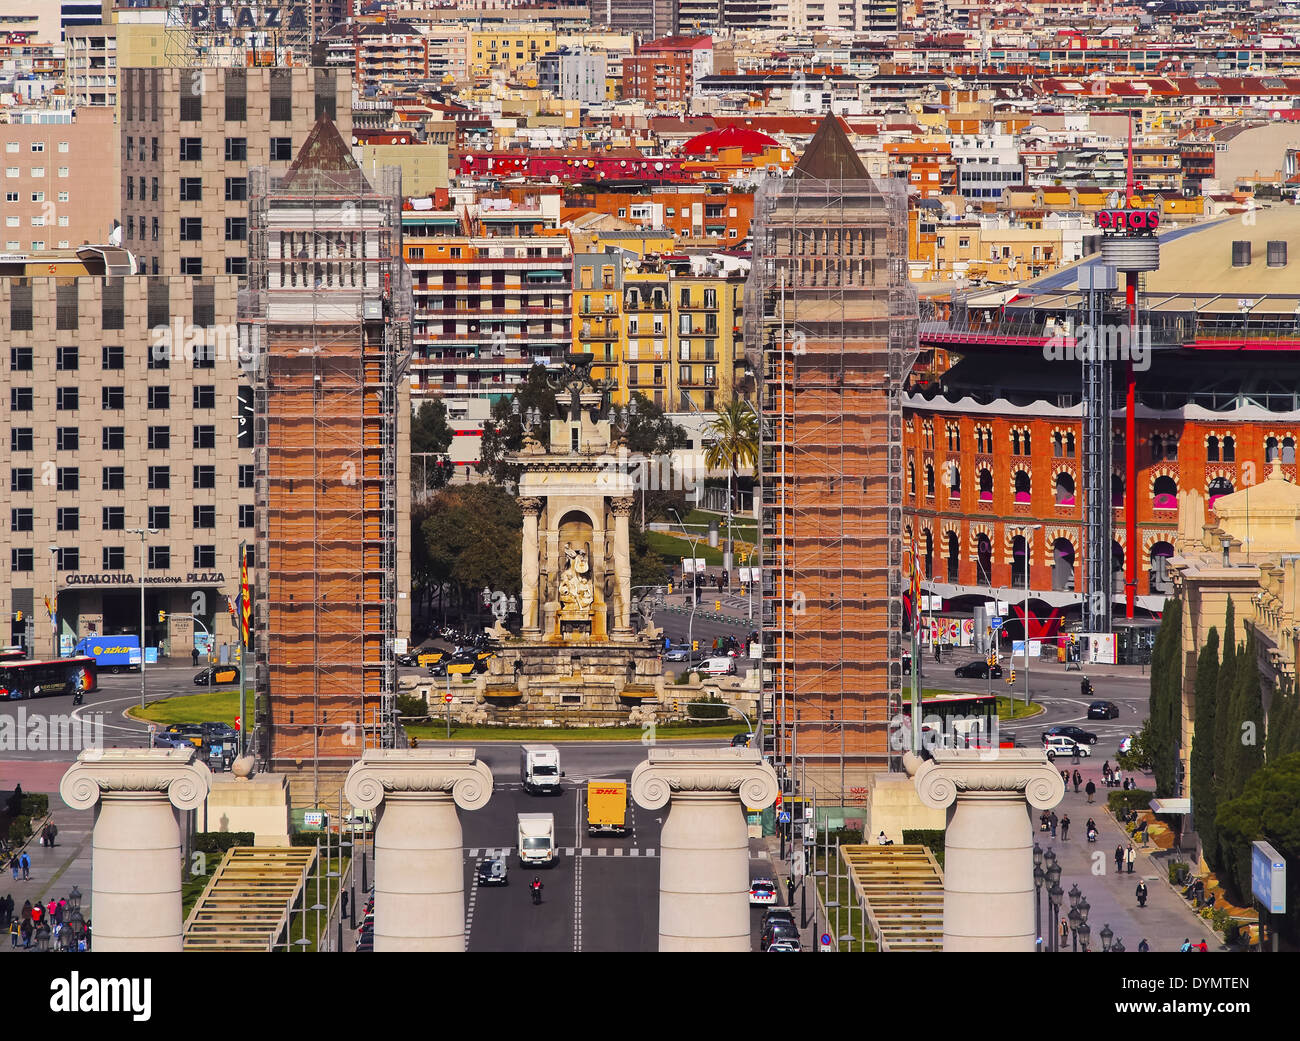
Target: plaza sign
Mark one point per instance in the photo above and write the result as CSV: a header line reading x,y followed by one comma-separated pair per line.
x,y
249,17
200,578
1141,221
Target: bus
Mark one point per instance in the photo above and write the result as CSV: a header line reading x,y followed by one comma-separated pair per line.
x,y
959,721
12,654
37,679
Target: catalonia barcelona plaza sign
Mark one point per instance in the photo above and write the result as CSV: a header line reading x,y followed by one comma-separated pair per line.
x,y
248,17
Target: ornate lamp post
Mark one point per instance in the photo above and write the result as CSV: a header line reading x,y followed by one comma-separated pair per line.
x,y
1039,877
1107,935
1054,897
1085,930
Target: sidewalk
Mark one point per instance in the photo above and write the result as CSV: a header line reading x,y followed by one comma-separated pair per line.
x,y
55,870
1166,920
781,871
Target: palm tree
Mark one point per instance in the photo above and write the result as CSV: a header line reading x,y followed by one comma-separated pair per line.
x,y
732,441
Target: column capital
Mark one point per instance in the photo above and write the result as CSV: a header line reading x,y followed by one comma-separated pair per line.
x,y
453,771
173,772
622,505
670,771
531,504
1011,771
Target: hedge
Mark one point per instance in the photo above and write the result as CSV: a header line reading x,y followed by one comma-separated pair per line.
x,y
36,805
220,841
931,838
1133,799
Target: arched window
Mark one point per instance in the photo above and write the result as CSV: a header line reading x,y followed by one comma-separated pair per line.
x,y
952,473
1022,486
929,481
1270,450
1015,442
1062,565
954,556
1164,493
983,559
1064,490
1212,450
1018,560
1157,448
1069,444
1158,573
986,486
1058,445
1116,490
1219,486
1229,450
1116,567
911,478
929,553
1288,450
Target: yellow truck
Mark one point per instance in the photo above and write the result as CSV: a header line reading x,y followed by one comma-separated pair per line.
x,y
606,807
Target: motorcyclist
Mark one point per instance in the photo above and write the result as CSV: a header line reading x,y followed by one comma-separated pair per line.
x,y
535,886
1085,687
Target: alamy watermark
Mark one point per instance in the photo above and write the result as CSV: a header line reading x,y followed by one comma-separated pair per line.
x,y
37,732
1084,342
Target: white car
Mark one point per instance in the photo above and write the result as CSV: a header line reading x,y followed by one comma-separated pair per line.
x,y
762,891
1059,744
718,667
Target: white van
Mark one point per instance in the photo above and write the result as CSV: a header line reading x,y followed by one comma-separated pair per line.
x,y
718,667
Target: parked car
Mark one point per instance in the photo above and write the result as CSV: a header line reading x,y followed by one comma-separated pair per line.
x,y
1103,710
409,661
784,947
762,891
1084,737
218,731
1126,746
1060,745
492,872
214,675
775,914
191,732
742,740
162,739
977,670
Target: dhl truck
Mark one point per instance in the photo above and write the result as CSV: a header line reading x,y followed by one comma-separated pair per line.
x,y
606,807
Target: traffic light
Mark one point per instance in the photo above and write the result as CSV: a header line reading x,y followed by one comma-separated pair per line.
x,y
717,605
1011,678
162,616
991,661
18,616
695,645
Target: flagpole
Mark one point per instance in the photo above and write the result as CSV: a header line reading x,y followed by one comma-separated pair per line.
x,y
916,650
243,646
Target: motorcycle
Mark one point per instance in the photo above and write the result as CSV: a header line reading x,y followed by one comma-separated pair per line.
x,y
536,888
79,697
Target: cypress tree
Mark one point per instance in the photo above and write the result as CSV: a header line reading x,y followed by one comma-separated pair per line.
x,y
1163,703
1244,754
1222,698
1204,805
1284,722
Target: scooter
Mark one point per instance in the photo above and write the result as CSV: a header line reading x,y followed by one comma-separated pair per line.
x,y
536,887
79,697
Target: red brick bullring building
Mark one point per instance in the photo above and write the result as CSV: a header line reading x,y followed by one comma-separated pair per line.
x,y
993,418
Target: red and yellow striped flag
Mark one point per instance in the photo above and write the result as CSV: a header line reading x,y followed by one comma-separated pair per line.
x,y
245,601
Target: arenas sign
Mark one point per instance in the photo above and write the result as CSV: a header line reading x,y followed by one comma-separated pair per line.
x,y
1132,222
248,17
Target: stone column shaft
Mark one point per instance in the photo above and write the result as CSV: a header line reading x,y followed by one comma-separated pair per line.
x,y
419,877
704,855
988,889
623,563
136,846
531,561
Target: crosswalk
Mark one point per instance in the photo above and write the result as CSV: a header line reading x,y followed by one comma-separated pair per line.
x,y
567,851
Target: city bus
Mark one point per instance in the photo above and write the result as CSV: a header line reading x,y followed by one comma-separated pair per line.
x,y
35,679
958,720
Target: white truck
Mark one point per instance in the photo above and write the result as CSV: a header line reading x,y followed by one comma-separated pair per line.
x,y
539,769
536,839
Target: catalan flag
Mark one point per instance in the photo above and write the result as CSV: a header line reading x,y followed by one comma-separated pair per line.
x,y
915,580
245,601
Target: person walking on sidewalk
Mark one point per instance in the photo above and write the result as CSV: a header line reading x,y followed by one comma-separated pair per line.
x,y
1119,859
1065,777
1065,933
1091,789
1130,856
1065,828
1141,892
27,867
1078,780
789,891
13,866
194,657
1052,822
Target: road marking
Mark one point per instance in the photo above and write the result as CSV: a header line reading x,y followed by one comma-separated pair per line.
x,y
602,852
469,905
618,852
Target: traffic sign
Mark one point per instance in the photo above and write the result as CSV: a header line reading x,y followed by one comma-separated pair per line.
x,y
784,818
826,939
237,723
447,697
995,621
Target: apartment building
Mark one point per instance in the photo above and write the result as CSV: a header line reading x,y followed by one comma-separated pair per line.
x,y
379,53
90,70
60,178
508,48
493,284
189,137
122,399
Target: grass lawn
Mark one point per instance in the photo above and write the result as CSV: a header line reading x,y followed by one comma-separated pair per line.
x,y
1020,709
741,527
438,732
222,706
675,548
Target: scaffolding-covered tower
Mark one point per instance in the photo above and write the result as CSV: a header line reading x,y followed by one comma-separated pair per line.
x,y
830,309
327,314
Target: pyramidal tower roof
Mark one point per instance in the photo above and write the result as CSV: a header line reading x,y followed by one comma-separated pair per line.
x,y
325,157
830,155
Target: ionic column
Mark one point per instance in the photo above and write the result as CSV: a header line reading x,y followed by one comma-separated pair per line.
x,y
136,845
419,877
622,507
988,878
704,855
532,507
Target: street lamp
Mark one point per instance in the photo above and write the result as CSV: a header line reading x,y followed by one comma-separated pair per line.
x,y
694,540
144,534
54,599
76,923
1107,935
1039,878
1054,896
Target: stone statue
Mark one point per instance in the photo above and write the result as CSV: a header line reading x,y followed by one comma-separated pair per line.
x,y
576,593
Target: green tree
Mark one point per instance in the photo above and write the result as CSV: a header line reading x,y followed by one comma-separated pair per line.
x,y
1164,704
651,438
648,568
732,440
1244,754
474,539
430,439
1223,711
1268,808
503,434
1284,721
1204,804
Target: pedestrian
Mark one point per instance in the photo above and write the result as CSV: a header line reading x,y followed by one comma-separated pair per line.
x,y
1130,856
1091,789
27,867
1065,933
54,835
1052,822
1141,892
13,867
1187,945
1105,768
1065,828
1076,751
1144,947
13,933
1065,778
1117,776
789,890
27,910
194,657
1203,947
1078,780
26,933
1119,859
